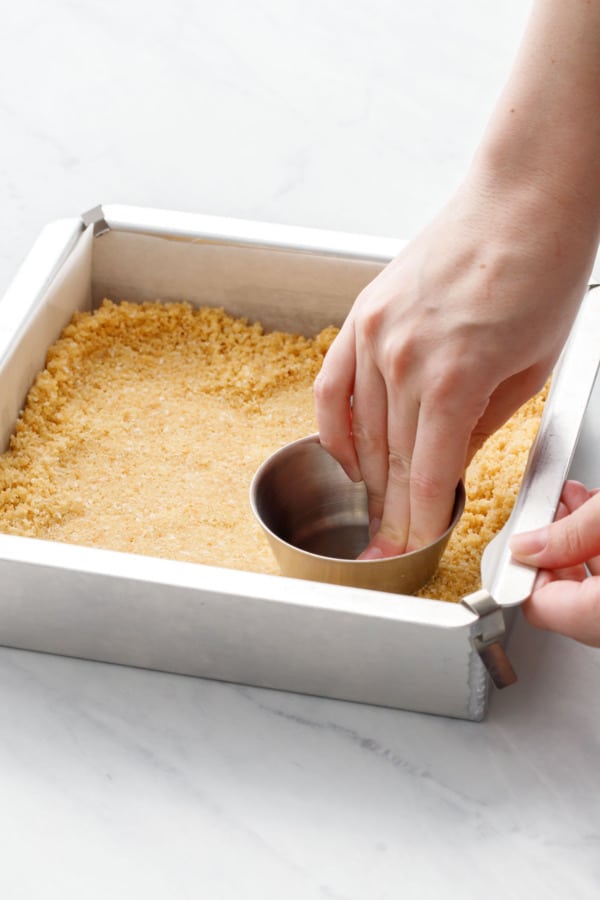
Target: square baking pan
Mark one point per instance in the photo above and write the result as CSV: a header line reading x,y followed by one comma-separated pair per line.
x,y
265,630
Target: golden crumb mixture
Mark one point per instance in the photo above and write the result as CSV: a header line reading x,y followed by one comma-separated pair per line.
x,y
143,432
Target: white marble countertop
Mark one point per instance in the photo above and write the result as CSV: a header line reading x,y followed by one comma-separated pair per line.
x,y
121,783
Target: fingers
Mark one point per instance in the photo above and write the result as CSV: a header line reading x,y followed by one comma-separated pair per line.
x,y
437,466
571,608
427,441
395,505
424,462
384,441
351,402
570,573
333,391
574,495
570,541
369,431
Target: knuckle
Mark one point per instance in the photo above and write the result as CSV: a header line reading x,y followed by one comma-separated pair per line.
x,y
450,380
399,468
394,350
400,357
571,541
423,487
426,488
373,323
369,439
365,300
323,388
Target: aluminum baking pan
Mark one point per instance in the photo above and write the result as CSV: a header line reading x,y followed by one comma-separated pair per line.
x,y
264,630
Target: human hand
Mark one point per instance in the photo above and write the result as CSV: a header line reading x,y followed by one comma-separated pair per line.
x,y
467,322
565,598
441,348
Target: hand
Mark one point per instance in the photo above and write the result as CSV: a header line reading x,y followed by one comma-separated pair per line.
x,y
441,348
565,598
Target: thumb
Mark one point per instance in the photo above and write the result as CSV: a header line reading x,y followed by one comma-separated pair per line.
x,y
570,541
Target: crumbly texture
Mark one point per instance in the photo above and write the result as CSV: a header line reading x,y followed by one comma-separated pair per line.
x,y
144,430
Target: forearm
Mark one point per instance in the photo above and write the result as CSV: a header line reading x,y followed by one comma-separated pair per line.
x,y
542,144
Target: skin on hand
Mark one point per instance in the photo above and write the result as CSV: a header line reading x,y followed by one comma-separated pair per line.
x,y
565,597
437,353
467,322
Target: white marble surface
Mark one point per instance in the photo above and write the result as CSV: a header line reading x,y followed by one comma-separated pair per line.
x,y
117,783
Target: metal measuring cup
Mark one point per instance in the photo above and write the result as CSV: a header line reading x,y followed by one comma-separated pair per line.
x,y
316,520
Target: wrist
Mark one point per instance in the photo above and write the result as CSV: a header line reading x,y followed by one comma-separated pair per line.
x,y
541,148
537,200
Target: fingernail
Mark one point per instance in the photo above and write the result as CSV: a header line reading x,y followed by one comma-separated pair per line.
x,y
372,553
381,548
530,543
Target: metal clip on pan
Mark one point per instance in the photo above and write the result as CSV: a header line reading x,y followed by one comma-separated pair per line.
x,y
506,582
